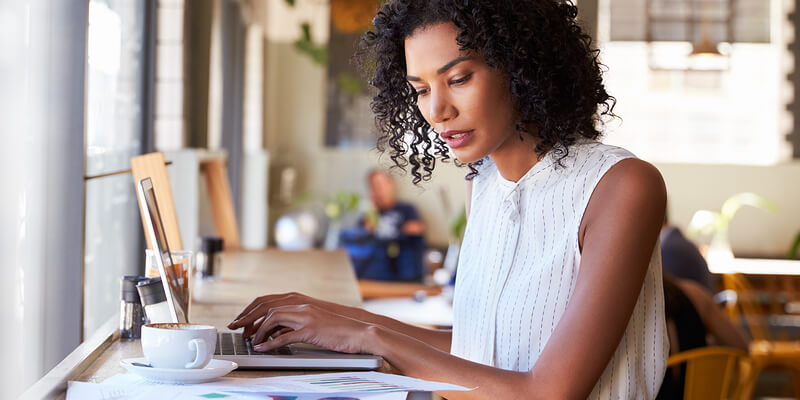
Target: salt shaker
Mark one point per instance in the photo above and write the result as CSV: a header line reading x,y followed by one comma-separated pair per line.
x,y
208,256
154,300
131,313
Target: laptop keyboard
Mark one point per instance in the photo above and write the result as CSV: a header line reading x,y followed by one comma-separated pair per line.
x,y
234,344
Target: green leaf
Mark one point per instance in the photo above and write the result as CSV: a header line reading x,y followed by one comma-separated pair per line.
x,y
704,222
333,211
318,54
735,202
354,200
794,249
349,83
458,225
289,2
304,198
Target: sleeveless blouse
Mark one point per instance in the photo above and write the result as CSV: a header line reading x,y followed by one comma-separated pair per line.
x,y
518,265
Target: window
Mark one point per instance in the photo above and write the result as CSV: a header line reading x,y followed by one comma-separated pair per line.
x,y
677,108
114,131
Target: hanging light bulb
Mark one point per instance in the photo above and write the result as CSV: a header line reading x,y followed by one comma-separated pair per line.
x,y
705,47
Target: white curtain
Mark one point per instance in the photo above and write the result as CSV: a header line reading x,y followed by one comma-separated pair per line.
x,y
254,160
42,71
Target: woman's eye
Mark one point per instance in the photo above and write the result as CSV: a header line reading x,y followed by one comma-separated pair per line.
x,y
422,92
460,80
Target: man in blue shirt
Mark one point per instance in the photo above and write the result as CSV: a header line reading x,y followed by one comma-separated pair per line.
x,y
680,257
395,219
392,247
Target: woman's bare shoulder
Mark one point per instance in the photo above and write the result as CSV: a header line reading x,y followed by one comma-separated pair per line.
x,y
632,187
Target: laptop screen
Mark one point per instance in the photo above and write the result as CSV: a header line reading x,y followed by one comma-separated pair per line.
x,y
158,238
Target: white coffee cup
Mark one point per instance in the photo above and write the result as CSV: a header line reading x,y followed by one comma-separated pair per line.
x,y
178,346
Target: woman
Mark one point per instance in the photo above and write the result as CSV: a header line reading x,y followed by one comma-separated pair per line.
x,y
559,290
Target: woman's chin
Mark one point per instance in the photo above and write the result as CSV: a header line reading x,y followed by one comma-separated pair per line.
x,y
465,156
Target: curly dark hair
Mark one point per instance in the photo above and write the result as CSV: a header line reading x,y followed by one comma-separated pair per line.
x,y
553,71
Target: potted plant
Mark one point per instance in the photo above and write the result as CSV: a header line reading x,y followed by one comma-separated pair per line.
x,y
716,223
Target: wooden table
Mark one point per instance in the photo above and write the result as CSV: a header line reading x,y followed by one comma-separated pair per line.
x,y
755,266
241,277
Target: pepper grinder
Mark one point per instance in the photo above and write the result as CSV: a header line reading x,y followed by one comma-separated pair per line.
x,y
131,314
154,300
208,256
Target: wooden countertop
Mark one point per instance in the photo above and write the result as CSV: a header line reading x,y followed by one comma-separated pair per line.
x,y
755,266
241,277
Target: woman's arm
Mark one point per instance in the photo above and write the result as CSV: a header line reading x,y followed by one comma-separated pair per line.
x,y
618,235
251,318
440,339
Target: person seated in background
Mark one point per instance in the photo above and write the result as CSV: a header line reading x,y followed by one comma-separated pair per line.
x,y
680,257
693,320
388,245
395,219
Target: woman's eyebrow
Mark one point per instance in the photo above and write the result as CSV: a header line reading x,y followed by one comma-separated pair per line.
x,y
451,64
443,69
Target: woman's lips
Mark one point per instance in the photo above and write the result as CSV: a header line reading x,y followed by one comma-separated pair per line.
x,y
456,139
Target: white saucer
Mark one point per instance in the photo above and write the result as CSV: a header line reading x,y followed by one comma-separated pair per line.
x,y
214,370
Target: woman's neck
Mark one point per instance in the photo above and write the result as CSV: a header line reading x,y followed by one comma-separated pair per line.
x,y
516,157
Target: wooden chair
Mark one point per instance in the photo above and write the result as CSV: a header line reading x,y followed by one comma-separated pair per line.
x,y
711,372
221,201
765,351
746,305
154,165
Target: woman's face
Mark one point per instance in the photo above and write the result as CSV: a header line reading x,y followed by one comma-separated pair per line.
x,y
466,102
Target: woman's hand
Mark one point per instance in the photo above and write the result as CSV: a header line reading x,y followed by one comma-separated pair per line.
x,y
298,311
309,323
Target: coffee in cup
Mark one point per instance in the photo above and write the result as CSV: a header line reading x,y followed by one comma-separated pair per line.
x,y
178,346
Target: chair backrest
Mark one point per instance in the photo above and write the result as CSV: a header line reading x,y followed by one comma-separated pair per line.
x,y
791,287
746,305
711,372
153,165
221,201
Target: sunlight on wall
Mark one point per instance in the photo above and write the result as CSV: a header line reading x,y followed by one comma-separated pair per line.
x,y
717,116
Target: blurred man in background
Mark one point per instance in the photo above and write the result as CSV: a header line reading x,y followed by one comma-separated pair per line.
x,y
388,244
680,257
392,219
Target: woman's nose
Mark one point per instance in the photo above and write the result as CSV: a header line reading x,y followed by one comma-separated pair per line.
x,y
441,108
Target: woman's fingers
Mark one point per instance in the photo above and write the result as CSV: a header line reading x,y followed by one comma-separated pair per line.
x,y
256,303
279,318
255,313
274,332
258,310
279,332
237,322
270,333
283,340
253,304
250,329
262,305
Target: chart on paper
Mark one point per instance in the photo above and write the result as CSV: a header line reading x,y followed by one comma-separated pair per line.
x,y
353,384
333,386
234,395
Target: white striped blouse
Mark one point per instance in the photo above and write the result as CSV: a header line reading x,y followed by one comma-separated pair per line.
x,y
517,271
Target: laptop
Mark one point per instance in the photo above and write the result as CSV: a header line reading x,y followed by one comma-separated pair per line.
x,y
233,346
